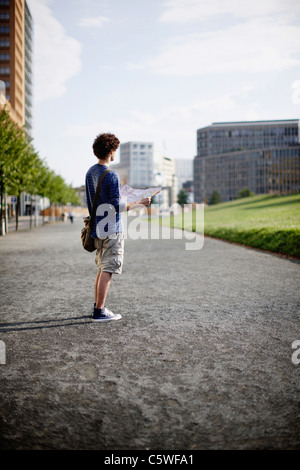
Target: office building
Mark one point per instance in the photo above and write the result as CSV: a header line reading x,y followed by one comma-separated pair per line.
x,y
263,156
142,166
16,58
165,177
184,171
136,166
185,176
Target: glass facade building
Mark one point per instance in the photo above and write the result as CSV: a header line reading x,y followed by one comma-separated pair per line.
x,y
263,156
142,166
16,58
138,158
28,69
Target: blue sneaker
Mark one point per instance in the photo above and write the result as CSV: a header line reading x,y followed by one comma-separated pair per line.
x,y
107,316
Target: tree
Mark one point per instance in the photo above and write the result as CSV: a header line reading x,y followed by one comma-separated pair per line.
x,y
182,198
21,177
17,158
215,198
57,191
72,196
245,193
37,183
22,170
7,144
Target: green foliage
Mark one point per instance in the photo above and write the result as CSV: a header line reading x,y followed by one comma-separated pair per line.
x,y
182,197
215,198
270,239
267,222
73,197
22,170
245,193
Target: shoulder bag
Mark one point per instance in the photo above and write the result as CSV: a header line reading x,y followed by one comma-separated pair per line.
x,y
86,232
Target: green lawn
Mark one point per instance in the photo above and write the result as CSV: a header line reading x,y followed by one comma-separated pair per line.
x,y
267,222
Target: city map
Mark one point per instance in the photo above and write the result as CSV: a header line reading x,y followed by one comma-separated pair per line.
x,y
133,194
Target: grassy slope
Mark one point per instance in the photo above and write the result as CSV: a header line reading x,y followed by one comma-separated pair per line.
x,y
268,222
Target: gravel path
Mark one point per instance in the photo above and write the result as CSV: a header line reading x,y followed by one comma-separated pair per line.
x,y
202,358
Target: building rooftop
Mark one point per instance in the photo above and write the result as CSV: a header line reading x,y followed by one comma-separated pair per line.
x,y
255,123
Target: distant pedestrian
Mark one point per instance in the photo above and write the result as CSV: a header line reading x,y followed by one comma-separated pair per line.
x,y
71,215
108,227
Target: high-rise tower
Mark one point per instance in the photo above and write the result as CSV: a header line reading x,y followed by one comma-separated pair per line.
x,y
16,58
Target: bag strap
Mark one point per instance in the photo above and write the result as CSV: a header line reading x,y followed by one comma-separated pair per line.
x,y
97,195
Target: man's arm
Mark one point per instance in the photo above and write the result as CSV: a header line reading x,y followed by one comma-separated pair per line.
x,y
115,197
142,202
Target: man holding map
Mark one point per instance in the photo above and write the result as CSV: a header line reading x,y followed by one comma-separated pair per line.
x,y
108,227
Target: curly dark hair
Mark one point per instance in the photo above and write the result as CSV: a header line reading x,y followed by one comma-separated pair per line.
x,y
104,144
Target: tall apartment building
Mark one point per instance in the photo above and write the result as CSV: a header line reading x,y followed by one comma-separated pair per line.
x,y
136,166
165,177
263,156
16,58
142,166
184,170
185,176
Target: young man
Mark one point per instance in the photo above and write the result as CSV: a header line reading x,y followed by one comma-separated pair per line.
x,y
108,228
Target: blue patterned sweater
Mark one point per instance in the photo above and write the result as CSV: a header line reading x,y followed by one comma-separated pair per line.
x,y
108,218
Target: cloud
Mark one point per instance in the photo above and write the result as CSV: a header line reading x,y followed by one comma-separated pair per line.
x,y
56,55
228,37
97,22
183,11
252,47
174,125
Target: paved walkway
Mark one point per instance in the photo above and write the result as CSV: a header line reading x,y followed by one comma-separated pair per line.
x,y
202,358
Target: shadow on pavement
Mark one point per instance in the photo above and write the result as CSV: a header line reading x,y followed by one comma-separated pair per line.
x,y
41,324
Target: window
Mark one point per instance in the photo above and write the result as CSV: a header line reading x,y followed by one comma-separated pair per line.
x,y
4,16
4,70
4,57
4,2
4,29
4,42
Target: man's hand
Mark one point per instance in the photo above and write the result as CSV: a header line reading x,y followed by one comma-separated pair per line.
x,y
145,201
142,202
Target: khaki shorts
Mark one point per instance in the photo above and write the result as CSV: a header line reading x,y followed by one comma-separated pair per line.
x,y
110,253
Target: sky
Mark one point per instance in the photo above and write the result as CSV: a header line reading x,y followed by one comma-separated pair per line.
x,y
156,71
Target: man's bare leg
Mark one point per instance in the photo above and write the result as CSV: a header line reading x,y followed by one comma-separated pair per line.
x,y
96,286
102,285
